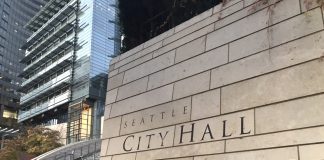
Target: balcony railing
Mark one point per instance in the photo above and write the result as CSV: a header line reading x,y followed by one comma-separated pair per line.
x,y
51,50
50,104
47,12
51,38
63,78
49,69
57,18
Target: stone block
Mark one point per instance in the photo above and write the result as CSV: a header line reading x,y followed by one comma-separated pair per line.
x,y
111,96
149,67
142,101
289,153
288,54
297,81
234,8
259,21
183,151
104,146
191,85
249,45
136,62
131,156
133,88
111,127
190,67
159,38
296,27
113,73
106,158
300,113
184,40
139,54
131,52
115,81
206,104
190,49
107,111
307,5
194,20
311,152
216,128
281,139
159,116
153,139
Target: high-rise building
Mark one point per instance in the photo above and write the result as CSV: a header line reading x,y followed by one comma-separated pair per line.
x,y
66,66
14,14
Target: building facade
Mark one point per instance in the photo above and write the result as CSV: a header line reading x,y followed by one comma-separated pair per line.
x,y
66,66
241,81
14,15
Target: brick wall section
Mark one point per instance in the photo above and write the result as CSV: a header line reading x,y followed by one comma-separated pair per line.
x,y
262,61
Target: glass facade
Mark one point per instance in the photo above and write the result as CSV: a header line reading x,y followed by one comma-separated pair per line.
x,y
66,65
14,14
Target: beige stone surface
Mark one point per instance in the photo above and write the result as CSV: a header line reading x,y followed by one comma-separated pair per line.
x,y
111,96
131,156
183,151
189,158
137,55
113,73
149,67
290,153
249,45
191,29
104,146
259,21
184,40
190,67
284,9
216,126
301,80
133,88
131,52
295,137
279,57
231,9
107,111
159,38
106,158
111,127
300,113
159,116
311,152
307,5
193,20
206,104
142,141
142,101
191,85
296,27
190,49
136,62
115,81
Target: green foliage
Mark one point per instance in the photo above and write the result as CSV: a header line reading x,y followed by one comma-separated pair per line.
x,y
29,143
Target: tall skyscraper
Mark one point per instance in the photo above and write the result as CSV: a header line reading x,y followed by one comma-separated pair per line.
x,y
14,14
66,65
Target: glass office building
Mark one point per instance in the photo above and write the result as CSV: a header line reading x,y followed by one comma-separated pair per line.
x,y
66,69
14,14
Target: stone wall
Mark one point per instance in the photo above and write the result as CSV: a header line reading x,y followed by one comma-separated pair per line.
x,y
243,80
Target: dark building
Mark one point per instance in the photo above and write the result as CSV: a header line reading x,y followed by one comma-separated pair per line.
x,y
14,14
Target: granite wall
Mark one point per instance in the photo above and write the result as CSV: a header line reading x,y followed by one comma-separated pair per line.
x,y
243,80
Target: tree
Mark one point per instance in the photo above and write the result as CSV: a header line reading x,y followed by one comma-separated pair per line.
x,y
30,143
